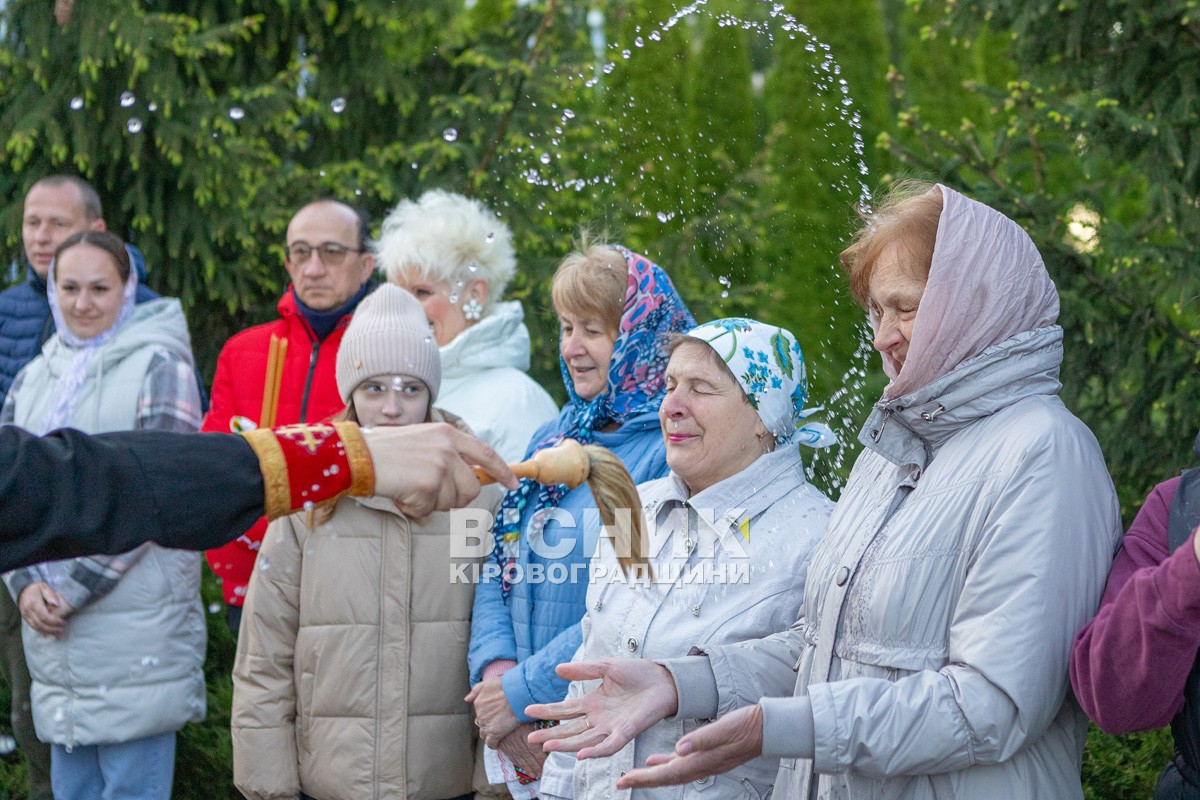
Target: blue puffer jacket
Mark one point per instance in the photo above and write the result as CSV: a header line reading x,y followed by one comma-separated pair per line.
x,y
25,322
539,626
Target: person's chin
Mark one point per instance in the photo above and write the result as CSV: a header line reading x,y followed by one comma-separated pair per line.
x,y
317,300
585,387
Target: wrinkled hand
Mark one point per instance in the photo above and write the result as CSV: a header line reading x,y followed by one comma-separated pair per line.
x,y
43,609
524,755
493,714
718,747
633,695
427,467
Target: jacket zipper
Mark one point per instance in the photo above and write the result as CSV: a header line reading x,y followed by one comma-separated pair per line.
x,y
312,368
381,670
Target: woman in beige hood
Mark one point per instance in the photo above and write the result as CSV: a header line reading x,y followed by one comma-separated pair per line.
x,y
352,663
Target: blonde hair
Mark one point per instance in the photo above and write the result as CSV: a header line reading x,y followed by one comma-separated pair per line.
x,y
447,237
592,282
908,218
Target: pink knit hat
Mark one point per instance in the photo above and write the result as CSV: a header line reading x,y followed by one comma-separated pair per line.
x,y
388,335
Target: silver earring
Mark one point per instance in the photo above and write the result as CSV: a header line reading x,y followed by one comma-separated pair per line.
x,y
472,310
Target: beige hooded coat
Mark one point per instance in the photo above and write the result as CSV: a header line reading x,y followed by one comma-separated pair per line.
x,y
352,660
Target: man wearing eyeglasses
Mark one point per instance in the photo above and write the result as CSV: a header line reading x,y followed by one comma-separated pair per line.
x,y
328,258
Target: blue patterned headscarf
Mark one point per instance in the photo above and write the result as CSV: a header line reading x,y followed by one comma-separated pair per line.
x,y
769,366
652,310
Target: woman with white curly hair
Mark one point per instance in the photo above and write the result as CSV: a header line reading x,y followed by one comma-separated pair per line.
x,y
457,257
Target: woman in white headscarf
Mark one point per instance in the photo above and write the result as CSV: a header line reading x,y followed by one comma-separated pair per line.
x,y
971,542
134,621
731,529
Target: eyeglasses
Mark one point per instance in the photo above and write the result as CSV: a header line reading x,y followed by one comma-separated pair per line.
x,y
330,253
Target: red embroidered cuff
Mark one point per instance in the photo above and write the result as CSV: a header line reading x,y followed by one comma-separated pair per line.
x,y
303,464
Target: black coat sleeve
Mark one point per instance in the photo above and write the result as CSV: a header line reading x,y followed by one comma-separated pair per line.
x,y
68,494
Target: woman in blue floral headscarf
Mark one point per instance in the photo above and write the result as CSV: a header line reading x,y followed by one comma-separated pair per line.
x,y
616,309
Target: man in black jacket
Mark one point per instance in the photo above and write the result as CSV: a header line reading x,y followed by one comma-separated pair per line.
x,y
68,493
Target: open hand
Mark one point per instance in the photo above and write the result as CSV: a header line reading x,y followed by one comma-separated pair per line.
x,y
633,695
717,747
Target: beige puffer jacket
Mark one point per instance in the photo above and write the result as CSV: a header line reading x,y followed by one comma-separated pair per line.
x,y
352,661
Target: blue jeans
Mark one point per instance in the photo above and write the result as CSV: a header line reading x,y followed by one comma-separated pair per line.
x,y
142,769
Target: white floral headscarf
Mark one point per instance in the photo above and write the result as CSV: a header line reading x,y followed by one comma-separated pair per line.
x,y
769,366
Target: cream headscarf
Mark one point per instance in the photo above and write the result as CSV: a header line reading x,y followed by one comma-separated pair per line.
x,y
987,282
66,392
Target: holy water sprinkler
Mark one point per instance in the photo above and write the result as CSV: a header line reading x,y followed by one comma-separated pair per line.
x,y
571,463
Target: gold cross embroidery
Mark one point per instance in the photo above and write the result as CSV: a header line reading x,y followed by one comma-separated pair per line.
x,y
310,437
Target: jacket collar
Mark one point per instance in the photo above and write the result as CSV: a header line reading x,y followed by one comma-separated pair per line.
x,y
36,281
289,309
739,497
498,340
910,429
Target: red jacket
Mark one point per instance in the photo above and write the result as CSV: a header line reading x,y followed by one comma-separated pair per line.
x,y
308,393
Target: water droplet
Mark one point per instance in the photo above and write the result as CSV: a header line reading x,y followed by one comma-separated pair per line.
x,y
76,103
472,267
491,237
322,173
237,113
134,125
358,192
128,99
638,42
7,745
655,36
308,505
152,107
214,608
264,563
338,105
453,298
545,158
450,134
609,67
625,54
568,114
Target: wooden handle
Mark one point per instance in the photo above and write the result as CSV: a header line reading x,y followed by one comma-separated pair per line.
x,y
526,469
567,462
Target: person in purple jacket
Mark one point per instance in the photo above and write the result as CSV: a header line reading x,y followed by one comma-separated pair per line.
x,y
1135,667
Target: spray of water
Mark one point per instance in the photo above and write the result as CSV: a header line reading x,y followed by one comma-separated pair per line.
x,y
553,163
